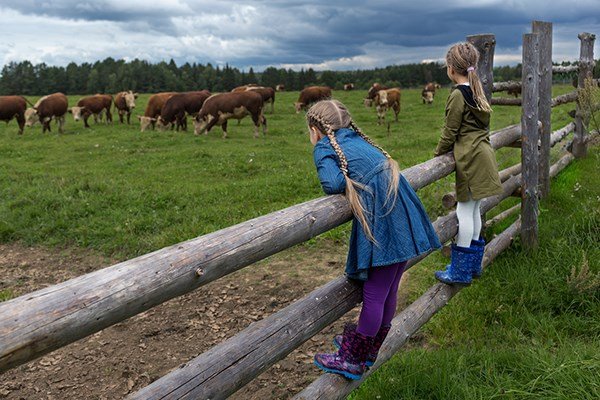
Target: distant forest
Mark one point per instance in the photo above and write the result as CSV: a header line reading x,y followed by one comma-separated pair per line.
x,y
112,76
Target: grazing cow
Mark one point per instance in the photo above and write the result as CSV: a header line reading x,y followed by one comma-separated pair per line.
x,y
384,100
243,88
280,87
218,108
515,91
310,95
267,93
92,105
153,110
125,103
373,90
13,107
52,106
428,92
349,86
178,105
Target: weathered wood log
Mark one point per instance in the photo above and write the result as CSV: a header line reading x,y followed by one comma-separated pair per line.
x,y
504,86
529,138
564,99
586,69
561,133
564,69
225,368
404,325
558,166
503,215
544,31
39,322
504,101
485,44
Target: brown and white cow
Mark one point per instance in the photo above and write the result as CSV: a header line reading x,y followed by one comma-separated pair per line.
x,y
125,103
372,92
243,88
384,100
219,108
13,107
153,110
428,92
92,105
280,87
514,91
267,93
52,106
178,105
349,86
311,95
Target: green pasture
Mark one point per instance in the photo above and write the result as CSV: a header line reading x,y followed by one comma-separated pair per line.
x,y
125,193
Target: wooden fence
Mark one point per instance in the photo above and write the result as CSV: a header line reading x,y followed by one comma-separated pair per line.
x,y
40,322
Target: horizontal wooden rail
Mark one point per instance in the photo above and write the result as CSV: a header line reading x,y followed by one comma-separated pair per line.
x,y
559,69
39,322
508,85
227,367
503,101
503,215
564,99
404,325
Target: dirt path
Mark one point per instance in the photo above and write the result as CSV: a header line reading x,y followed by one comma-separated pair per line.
x,y
130,355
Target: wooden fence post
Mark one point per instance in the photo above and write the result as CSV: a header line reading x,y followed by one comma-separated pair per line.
x,y
544,31
529,140
586,68
485,44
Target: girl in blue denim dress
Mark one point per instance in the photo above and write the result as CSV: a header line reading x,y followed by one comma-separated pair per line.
x,y
390,226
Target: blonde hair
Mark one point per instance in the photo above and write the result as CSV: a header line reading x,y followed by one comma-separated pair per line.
x,y
463,58
330,115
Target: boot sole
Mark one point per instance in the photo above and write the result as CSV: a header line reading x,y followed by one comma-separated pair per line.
x,y
449,282
348,375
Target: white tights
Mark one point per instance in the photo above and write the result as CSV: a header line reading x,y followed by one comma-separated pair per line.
x,y
469,222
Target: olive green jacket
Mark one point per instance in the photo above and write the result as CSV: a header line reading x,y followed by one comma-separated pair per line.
x,y
466,132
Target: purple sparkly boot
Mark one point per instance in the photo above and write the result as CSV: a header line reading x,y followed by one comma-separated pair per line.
x,y
350,359
377,342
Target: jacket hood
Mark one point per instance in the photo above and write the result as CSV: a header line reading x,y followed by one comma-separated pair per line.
x,y
482,116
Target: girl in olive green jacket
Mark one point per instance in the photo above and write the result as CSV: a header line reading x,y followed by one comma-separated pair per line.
x,y
466,132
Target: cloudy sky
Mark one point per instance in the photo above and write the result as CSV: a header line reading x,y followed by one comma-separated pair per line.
x,y
333,34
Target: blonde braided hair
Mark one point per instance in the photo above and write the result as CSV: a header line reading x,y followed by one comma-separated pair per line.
x,y
330,115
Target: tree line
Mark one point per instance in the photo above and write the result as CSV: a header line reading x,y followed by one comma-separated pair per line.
x,y
112,76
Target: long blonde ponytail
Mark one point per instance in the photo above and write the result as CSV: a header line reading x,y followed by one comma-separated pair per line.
x,y
463,58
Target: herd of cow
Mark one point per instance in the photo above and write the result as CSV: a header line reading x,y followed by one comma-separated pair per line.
x,y
170,109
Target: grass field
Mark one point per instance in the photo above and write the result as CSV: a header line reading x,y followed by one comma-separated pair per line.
x,y
529,329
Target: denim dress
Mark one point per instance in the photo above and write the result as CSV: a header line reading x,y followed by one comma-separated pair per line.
x,y
401,229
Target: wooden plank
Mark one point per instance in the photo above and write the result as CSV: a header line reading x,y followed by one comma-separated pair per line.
x,y
405,325
504,101
564,69
544,31
225,368
586,68
529,138
39,322
486,45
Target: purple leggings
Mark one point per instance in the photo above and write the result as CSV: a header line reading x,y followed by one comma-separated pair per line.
x,y
379,298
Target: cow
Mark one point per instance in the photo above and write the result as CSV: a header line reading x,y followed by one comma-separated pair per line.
x,y
13,107
176,107
52,106
515,91
243,88
153,110
310,95
349,86
124,104
218,108
267,93
384,100
280,88
428,92
92,105
372,92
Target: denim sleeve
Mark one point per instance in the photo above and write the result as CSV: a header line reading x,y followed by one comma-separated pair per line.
x,y
331,176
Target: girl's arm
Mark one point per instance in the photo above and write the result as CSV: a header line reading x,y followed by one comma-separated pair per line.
x,y
454,114
331,176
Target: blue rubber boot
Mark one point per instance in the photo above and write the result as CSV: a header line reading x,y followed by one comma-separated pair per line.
x,y
478,245
459,270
